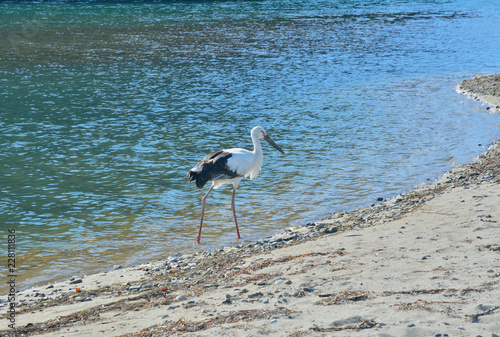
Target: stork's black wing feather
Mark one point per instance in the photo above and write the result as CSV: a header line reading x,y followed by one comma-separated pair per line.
x,y
212,167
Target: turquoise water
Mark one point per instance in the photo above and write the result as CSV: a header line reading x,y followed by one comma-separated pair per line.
x,y
104,108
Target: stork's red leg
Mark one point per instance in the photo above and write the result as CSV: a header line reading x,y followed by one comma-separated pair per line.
x,y
234,214
203,201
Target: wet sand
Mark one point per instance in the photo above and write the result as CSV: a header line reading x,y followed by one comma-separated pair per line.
x,y
425,263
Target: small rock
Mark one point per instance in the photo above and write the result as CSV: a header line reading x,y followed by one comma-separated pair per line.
x,y
273,321
347,321
482,307
331,230
76,281
181,298
410,325
258,294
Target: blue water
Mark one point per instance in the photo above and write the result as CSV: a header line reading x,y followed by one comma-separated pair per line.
x,y
104,107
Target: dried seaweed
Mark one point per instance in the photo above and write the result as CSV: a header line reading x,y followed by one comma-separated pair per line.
x,y
344,297
423,305
475,317
52,325
184,326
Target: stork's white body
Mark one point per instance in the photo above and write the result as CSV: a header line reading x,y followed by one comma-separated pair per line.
x,y
230,166
246,163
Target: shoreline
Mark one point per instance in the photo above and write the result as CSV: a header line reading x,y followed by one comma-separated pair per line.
x,y
482,88
401,267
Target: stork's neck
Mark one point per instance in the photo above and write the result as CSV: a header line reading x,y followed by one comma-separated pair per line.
x,y
257,148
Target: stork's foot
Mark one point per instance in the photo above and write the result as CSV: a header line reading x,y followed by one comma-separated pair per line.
x,y
197,239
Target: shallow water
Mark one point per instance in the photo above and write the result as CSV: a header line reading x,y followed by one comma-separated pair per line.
x,y
105,107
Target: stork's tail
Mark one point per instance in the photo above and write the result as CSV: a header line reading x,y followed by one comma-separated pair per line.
x,y
200,177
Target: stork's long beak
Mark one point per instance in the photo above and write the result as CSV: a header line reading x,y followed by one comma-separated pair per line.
x,y
270,141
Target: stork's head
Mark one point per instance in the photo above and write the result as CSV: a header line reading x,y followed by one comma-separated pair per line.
x,y
260,133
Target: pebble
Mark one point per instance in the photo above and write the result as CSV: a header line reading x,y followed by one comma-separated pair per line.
x,y
273,321
482,307
181,298
331,230
410,325
254,295
347,321
76,281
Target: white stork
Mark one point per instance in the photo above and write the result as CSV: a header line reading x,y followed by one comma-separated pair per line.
x,y
230,166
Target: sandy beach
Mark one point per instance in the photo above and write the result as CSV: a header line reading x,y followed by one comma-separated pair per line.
x,y
424,263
